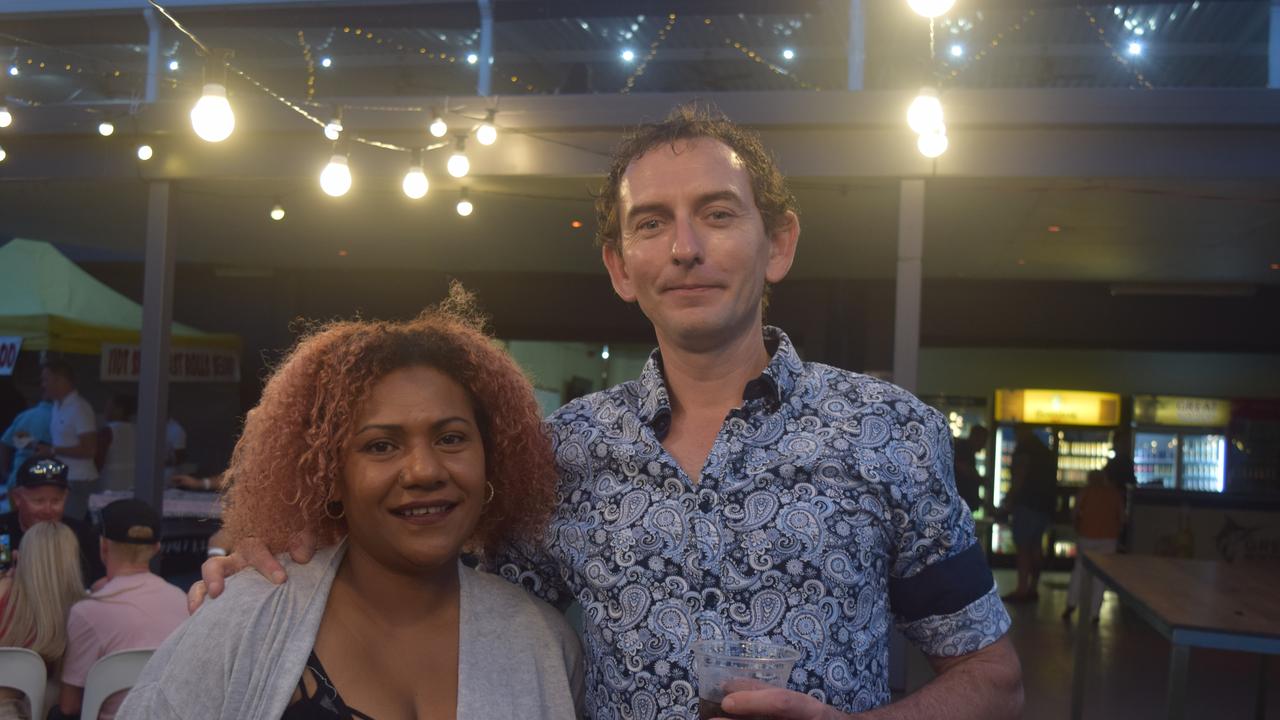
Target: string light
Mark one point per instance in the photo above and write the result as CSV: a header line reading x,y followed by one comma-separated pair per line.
x,y
487,133
759,59
6,118
653,50
311,64
472,58
925,113
277,212
628,55
335,179
1102,38
464,206
931,8
995,42
788,54
933,144
13,70
145,152
438,127
173,65
458,165
415,183
105,128
333,130
326,62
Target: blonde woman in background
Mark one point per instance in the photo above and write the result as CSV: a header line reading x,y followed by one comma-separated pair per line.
x,y
34,600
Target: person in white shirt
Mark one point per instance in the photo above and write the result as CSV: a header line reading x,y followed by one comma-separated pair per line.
x,y
75,434
116,444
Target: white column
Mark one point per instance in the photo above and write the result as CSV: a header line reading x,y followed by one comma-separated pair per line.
x,y
906,308
153,53
484,83
157,317
1273,56
857,44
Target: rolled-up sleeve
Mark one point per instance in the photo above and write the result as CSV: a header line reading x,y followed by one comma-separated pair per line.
x,y
940,588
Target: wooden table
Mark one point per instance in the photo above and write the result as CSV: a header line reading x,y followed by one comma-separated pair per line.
x,y
1193,603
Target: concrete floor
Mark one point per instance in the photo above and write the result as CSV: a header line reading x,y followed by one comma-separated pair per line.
x,y
1128,665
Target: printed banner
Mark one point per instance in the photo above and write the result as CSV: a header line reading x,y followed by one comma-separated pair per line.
x,y
123,363
9,347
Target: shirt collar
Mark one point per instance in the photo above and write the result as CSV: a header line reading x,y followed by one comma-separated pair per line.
x,y
65,399
773,386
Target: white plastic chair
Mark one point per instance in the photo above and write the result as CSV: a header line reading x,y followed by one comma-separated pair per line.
x,y
24,670
113,673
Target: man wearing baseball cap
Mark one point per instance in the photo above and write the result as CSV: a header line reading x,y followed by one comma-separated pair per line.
x,y
40,495
135,609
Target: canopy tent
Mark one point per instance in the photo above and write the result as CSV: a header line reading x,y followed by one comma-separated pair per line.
x,y
54,305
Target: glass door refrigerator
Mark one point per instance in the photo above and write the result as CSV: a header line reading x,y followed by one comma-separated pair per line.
x,y
1078,427
1180,443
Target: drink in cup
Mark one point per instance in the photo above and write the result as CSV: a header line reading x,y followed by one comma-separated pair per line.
x,y
721,667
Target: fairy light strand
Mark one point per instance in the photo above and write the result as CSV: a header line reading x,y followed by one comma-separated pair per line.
x,y
653,51
203,49
1017,26
759,59
311,65
1102,37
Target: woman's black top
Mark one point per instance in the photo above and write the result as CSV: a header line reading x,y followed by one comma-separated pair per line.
x,y
324,703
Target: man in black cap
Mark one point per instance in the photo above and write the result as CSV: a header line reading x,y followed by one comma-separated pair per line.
x,y
134,610
40,495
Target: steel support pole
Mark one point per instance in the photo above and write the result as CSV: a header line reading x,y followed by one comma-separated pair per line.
x,y
906,309
157,319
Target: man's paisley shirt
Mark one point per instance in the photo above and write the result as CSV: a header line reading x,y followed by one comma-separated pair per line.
x,y
826,511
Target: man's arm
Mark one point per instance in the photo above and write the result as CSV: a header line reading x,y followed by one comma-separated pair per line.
x,y
983,685
84,449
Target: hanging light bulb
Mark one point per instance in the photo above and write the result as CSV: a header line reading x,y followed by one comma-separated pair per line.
x,y
212,118
464,207
925,114
333,130
931,8
6,119
277,212
145,152
415,183
3,154
487,133
335,179
438,127
458,164
105,128
932,145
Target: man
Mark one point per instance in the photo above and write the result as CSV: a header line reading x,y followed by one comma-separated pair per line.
x,y
968,480
134,610
734,490
1033,497
21,438
40,495
74,432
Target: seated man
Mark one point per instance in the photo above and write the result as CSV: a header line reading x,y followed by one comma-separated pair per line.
x,y
40,495
135,609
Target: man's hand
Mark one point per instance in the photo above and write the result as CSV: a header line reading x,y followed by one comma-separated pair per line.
x,y
250,552
779,704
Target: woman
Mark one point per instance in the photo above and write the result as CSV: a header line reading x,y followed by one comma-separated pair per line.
x,y
34,600
411,441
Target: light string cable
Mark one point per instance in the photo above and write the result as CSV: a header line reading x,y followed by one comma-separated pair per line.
x,y
1102,38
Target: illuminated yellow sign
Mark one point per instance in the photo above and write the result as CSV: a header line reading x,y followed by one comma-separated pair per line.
x,y
1058,407
1183,411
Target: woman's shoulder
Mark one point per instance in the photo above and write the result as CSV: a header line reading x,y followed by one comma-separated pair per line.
x,y
498,600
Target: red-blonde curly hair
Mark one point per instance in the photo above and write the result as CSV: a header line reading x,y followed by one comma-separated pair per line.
x,y
290,455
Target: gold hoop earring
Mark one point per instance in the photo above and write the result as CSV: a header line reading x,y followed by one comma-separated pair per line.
x,y
329,513
489,499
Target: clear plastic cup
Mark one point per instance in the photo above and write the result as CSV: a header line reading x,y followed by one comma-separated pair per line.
x,y
724,666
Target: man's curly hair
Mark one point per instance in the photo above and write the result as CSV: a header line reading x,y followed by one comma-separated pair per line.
x,y
691,121
290,455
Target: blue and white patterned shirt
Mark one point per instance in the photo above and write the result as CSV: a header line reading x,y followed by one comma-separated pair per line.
x,y
826,510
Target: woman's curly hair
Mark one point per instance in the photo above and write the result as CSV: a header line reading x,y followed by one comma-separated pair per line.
x,y
290,455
